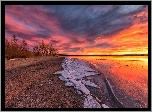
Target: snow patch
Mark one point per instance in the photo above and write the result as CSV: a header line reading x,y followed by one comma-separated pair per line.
x,y
90,102
73,75
88,83
79,92
104,106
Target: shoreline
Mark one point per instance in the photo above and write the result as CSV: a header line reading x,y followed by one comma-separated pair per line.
x,y
33,85
108,86
43,75
84,76
118,95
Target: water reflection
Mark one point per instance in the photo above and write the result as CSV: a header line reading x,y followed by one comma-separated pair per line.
x,y
127,73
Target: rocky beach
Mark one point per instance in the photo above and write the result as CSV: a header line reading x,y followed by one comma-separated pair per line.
x,y
30,83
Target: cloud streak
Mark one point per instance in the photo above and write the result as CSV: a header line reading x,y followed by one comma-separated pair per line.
x,y
76,28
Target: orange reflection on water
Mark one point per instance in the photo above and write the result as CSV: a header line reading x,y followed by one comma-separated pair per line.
x,y
129,72
132,68
126,73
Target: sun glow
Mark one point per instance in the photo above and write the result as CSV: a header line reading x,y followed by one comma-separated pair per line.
x,y
91,53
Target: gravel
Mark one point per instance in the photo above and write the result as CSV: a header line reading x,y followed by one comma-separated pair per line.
x,y
30,83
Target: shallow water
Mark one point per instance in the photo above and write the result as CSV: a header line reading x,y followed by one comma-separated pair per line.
x,y
128,76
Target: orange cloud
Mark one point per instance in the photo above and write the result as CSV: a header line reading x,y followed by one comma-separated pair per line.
x,y
69,37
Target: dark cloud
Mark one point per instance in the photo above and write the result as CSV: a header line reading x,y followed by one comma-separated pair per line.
x,y
130,9
73,22
20,34
74,49
8,27
85,20
65,46
76,40
143,19
40,34
54,41
106,45
103,45
32,17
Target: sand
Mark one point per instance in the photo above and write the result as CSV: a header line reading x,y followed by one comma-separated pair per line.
x,y
30,83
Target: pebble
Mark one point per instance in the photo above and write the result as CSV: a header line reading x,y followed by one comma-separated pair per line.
x,y
33,71
12,59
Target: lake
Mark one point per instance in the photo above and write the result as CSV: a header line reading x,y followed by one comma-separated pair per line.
x,y
128,76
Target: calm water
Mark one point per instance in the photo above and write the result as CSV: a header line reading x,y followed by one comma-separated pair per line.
x,y
128,76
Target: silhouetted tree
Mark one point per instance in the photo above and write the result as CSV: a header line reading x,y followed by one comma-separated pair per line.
x,y
24,49
36,50
52,50
44,50
15,50
7,48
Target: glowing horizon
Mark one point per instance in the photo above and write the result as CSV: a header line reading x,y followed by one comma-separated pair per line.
x,y
83,30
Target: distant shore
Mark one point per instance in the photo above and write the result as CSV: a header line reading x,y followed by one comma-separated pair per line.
x,y
30,83
107,55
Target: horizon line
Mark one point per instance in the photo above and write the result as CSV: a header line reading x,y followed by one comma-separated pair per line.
x,y
106,55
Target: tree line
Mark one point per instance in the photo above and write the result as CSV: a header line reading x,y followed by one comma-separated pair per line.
x,y
15,50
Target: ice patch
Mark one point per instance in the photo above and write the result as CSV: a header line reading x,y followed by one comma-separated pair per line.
x,y
90,102
62,78
73,74
113,92
88,83
69,84
104,106
79,92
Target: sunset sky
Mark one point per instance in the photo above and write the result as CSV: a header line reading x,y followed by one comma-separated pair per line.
x,y
81,29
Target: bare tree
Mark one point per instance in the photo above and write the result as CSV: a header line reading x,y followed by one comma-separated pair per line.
x,y
24,49
15,50
36,50
52,50
44,50
7,48
14,47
